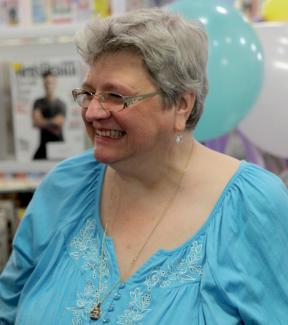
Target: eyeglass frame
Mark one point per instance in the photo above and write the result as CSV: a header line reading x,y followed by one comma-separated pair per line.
x,y
127,100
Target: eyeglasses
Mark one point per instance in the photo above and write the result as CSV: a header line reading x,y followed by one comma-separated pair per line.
x,y
108,101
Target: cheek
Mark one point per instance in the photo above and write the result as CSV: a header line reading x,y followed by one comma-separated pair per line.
x,y
146,132
135,124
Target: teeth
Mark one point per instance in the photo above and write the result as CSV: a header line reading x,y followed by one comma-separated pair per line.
x,y
110,133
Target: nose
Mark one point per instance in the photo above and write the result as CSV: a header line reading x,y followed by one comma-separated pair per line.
x,y
94,111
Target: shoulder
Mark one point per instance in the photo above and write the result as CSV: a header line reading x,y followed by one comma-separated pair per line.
x,y
84,159
72,175
253,209
254,200
60,104
247,245
66,195
253,206
39,102
67,192
259,189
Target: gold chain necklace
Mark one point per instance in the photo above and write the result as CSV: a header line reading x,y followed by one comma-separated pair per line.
x,y
95,312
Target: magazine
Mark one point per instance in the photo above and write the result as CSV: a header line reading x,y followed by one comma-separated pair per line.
x,y
9,12
137,4
47,122
40,11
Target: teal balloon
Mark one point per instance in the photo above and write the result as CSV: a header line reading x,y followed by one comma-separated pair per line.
x,y
235,66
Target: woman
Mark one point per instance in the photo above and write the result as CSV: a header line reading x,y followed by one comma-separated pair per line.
x,y
150,226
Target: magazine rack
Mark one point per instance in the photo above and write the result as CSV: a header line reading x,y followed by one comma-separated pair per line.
x,y
29,43
43,41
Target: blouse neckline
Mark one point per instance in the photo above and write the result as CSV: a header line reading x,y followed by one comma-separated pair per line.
x,y
162,252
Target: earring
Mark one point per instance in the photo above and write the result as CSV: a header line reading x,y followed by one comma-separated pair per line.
x,y
179,138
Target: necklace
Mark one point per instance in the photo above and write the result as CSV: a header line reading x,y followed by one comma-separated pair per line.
x,y
95,312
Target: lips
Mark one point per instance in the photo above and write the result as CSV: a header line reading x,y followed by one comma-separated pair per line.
x,y
114,134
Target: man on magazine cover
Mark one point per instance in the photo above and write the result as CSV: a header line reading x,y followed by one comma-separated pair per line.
x,y
48,115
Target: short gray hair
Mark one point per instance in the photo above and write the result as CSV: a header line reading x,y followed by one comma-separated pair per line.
x,y
175,51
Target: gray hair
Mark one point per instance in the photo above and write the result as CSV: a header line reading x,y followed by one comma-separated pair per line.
x,y
175,51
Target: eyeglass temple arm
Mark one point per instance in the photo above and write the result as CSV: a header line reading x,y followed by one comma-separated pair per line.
x,y
129,100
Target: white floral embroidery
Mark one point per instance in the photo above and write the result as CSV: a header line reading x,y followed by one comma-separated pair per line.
x,y
187,270
85,249
81,245
138,306
84,304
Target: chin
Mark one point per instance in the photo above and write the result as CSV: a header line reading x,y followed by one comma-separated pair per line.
x,y
107,159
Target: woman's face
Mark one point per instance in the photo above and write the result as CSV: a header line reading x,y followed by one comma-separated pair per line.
x,y
142,129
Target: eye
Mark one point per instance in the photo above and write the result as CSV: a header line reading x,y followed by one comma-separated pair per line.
x,y
83,97
86,93
113,95
113,98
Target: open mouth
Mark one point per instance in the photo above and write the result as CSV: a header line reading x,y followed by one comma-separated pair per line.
x,y
115,134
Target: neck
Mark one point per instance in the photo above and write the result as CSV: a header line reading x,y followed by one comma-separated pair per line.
x,y
161,169
50,96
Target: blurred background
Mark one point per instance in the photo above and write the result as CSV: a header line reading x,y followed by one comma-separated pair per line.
x,y
246,112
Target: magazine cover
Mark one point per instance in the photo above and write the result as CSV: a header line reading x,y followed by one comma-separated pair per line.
x,y
136,4
39,11
61,11
47,122
9,12
102,7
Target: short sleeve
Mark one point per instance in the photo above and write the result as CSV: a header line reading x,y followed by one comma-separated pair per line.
x,y
61,107
248,253
50,109
37,104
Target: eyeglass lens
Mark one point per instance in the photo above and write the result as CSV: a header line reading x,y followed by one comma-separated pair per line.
x,y
108,101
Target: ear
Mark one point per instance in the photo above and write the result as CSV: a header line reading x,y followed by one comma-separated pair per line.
x,y
183,110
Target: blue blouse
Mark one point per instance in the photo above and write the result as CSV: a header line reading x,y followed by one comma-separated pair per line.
x,y
234,270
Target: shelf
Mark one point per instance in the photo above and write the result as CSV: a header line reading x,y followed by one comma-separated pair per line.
x,y
18,186
61,33
17,177
37,31
11,166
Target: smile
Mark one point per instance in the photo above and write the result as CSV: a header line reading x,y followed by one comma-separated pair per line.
x,y
115,134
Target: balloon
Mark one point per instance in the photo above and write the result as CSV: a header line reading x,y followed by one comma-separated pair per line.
x,y
266,126
230,2
235,67
237,145
275,10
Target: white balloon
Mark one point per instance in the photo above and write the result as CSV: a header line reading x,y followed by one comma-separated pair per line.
x,y
266,125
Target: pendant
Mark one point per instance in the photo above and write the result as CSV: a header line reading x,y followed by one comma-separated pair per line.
x,y
95,312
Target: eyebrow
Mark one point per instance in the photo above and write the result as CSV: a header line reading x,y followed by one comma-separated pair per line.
x,y
109,86
86,85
